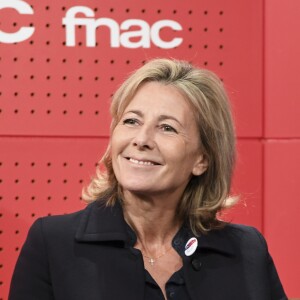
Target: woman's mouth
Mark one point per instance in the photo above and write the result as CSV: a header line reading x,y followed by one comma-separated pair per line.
x,y
142,162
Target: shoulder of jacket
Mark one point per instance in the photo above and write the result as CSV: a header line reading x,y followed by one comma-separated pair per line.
x,y
246,236
58,224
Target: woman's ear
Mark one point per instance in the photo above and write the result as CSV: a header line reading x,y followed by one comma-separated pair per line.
x,y
200,166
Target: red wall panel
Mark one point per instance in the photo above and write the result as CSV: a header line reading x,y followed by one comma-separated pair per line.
x,y
282,66
69,87
282,133
282,207
248,184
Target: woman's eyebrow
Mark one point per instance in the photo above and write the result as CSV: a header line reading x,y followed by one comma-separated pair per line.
x,y
137,112
160,118
168,117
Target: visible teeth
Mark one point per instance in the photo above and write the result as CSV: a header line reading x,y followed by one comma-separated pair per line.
x,y
140,162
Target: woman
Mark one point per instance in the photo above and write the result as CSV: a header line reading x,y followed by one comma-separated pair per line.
x,y
152,230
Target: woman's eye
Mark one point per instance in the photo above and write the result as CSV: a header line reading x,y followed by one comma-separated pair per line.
x,y
168,128
130,122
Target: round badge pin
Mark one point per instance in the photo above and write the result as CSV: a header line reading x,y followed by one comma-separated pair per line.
x,y
191,246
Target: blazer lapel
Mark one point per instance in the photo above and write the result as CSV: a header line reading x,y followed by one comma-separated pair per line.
x,y
122,266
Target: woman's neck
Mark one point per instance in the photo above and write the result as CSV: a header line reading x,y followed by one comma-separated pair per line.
x,y
153,219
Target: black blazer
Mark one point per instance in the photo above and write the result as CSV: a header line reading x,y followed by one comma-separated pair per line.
x,y
84,256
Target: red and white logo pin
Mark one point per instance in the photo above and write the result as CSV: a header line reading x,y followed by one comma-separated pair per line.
x,y
191,246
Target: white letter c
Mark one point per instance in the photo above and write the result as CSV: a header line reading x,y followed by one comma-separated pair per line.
x,y
155,29
23,33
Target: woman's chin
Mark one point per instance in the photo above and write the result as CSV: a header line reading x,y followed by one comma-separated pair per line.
x,y
139,189
136,189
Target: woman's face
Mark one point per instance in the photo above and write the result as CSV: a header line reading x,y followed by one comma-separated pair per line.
x,y
155,145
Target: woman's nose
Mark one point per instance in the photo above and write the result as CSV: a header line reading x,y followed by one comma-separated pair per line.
x,y
144,138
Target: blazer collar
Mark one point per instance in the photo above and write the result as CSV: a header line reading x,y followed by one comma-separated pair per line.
x,y
101,223
218,240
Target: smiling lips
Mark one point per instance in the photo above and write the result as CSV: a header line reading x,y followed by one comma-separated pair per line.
x,y
142,162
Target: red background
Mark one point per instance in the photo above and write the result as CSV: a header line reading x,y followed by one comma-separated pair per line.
x,y
54,102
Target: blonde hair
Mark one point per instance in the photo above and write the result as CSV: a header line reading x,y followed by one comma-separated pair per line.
x,y
205,195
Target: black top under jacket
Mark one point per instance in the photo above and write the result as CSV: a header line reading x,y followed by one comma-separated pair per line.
x,y
87,255
175,287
